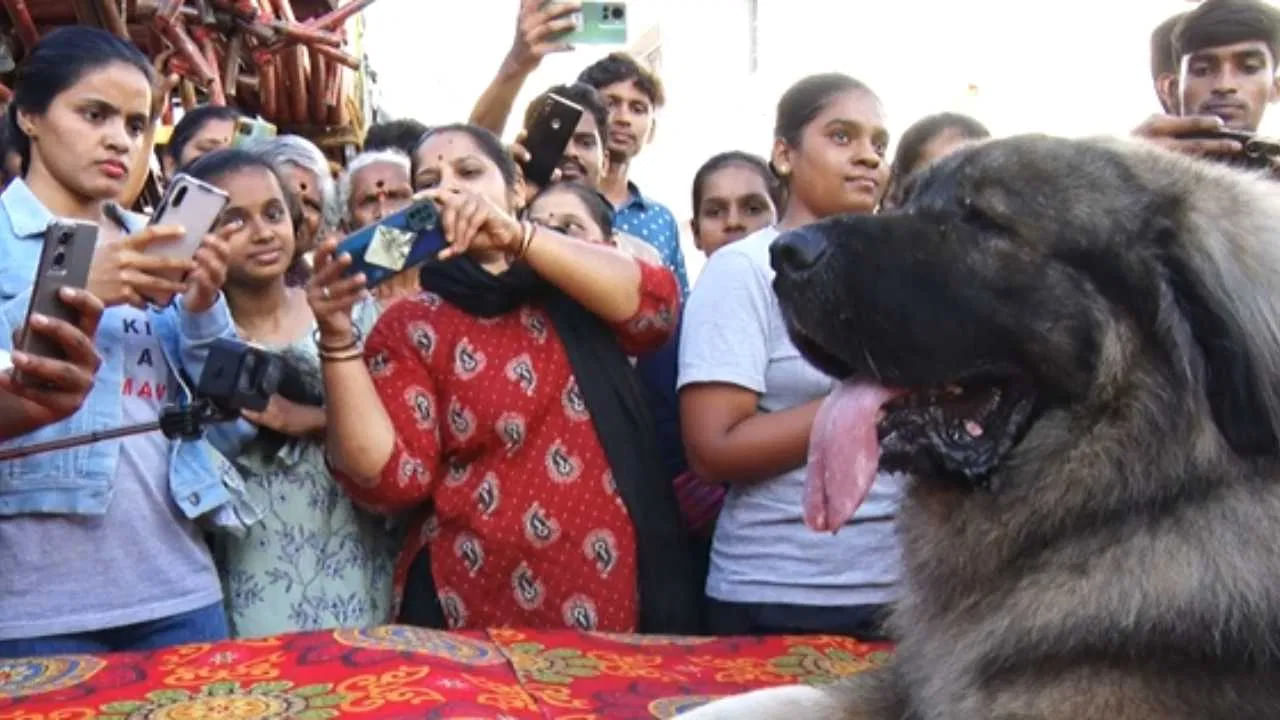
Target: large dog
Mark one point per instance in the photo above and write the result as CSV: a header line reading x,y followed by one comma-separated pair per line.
x,y
1074,348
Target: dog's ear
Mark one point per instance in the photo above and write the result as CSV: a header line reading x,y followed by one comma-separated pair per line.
x,y
1231,373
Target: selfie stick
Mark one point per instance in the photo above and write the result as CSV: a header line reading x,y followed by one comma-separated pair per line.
x,y
175,422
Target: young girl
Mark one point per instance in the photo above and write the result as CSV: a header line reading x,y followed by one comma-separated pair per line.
x,y
734,195
505,415
306,175
575,210
315,560
926,141
748,399
99,543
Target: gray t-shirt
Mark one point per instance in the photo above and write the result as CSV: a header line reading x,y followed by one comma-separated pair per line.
x,y
143,560
733,332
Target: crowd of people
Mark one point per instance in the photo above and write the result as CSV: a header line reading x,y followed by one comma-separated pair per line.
x,y
549,427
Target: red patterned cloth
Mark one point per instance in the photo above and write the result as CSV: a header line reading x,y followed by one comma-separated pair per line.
x,y
397,673
528,529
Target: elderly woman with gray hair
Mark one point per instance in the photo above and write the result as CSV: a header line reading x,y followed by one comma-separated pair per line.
x,y
305,170
377,184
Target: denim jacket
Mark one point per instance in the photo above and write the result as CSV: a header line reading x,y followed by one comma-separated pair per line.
x,y
78,481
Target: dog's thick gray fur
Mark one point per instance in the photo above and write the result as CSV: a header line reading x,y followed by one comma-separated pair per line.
x,y
1123,561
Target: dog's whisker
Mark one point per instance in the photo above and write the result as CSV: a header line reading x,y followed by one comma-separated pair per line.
x,y
872,364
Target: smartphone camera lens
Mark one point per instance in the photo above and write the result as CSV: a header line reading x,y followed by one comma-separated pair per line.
x,y
178,196
59,259
616,13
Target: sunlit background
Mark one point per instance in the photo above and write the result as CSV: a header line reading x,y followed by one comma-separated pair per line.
x,y
1069,68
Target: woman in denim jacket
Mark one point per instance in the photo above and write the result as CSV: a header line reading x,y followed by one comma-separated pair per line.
x,y
99,544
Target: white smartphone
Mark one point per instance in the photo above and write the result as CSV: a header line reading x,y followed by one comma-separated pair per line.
x,y
195,206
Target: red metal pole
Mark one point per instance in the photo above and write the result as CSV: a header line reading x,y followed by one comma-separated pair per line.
x,y
216,94
115,23
338,56
22,22
340,16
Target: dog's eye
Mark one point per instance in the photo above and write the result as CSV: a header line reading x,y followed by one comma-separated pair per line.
x,y
975,216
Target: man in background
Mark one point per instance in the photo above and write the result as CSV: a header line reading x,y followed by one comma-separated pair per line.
x,y
1224,58
1226,53
402,135
583,160
633,94
1164,68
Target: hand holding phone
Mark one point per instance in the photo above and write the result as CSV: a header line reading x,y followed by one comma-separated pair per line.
x,y
123,274
50,389
547,136
540,29
65,259
398,242
192,205
1200,135
599,23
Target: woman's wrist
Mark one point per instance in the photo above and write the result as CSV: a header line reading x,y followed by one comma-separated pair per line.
x,y
523,239
336,337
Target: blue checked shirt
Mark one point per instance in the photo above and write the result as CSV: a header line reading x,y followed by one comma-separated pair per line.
x,y
652,222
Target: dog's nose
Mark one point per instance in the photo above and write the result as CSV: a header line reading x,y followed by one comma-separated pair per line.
x,y
797,250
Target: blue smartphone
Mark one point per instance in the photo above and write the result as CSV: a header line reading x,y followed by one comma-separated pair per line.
x,y
398,242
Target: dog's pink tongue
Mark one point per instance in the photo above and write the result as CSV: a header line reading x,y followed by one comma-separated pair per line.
x,y
844,453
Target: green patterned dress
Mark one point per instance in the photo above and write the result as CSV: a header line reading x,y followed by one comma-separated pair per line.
x,y
315,560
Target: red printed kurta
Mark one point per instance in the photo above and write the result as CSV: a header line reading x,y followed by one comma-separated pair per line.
x,y
528,529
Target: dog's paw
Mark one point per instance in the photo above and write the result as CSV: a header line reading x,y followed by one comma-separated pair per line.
x,y
790,702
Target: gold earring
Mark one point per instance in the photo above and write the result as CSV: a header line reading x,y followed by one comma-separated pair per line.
x,y
784,171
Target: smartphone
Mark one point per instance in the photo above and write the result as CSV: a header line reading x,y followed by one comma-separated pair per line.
x,y
1256,150
398,242
249,130
599,23
64,262
193,204
549,133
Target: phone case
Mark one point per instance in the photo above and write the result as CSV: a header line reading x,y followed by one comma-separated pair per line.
x,y
192,204
64,261
404,240
549,135
600,23
249,130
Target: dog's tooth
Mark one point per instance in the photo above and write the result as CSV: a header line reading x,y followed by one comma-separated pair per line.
x,y
973,428
954,390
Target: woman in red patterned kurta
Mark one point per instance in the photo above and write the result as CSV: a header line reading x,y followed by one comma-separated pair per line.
x,y
483,428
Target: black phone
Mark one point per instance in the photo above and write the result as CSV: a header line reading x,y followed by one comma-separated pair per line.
x,y
549,133
64,262
1256,150
397,242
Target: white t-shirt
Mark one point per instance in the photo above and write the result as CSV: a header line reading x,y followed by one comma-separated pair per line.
x,y
733,332
143,560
